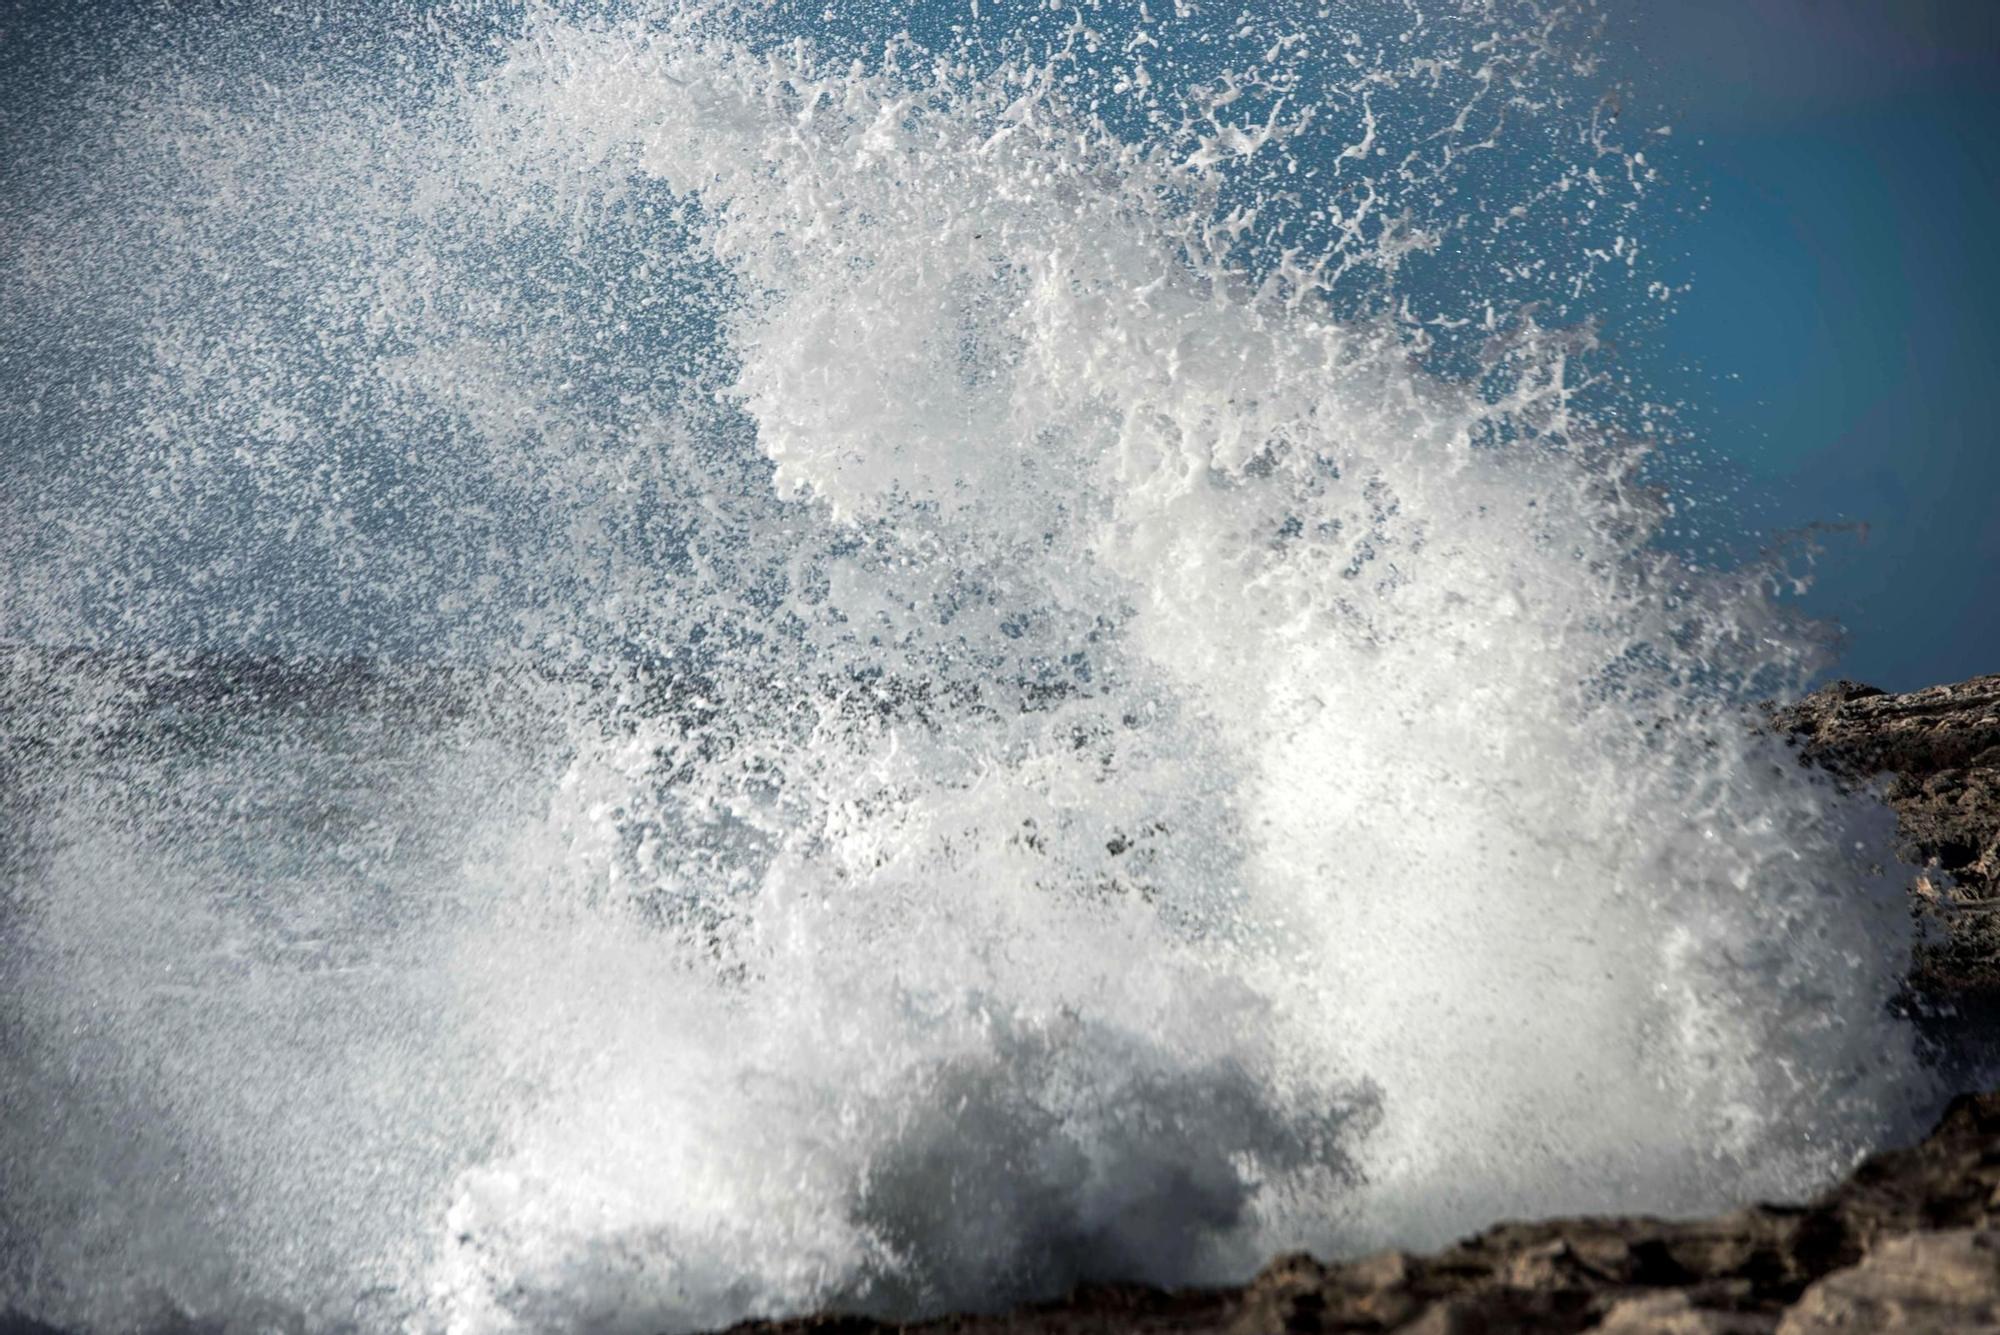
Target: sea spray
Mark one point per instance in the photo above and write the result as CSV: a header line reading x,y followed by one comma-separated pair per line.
x,y
1052,677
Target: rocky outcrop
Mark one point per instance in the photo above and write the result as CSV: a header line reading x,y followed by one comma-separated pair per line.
x,y
1918,1282
1909,1243
1942,747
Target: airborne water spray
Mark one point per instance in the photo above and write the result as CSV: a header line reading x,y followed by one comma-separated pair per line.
x,y
1035,666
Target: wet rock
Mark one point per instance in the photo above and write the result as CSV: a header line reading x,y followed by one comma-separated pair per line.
x,y
1919,1284
1942,748
1910,1242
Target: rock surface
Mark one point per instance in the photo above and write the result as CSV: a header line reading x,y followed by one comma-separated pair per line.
x,y
1909,1243
1942,745
1920,1282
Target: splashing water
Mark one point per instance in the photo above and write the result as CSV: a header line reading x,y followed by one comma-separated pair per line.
x,y
1024,682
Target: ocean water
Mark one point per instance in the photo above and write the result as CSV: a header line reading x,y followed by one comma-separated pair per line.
x,y
676,662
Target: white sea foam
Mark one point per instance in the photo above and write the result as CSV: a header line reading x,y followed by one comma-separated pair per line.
x,y
1064,748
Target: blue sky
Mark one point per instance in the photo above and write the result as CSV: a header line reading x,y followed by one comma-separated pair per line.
x,y
1838,345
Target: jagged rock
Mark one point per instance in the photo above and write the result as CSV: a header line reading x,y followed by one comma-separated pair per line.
x,y
1942,745
1920,1284
1907,1243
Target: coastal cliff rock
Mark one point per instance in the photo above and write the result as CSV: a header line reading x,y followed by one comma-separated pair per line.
x,y
1942,747
1908,1245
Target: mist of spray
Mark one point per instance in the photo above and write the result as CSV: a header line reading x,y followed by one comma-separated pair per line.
x,y
1040,687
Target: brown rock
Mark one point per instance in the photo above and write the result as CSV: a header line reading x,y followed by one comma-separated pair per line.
x,y
1942,745
1909,1237
1919,1284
